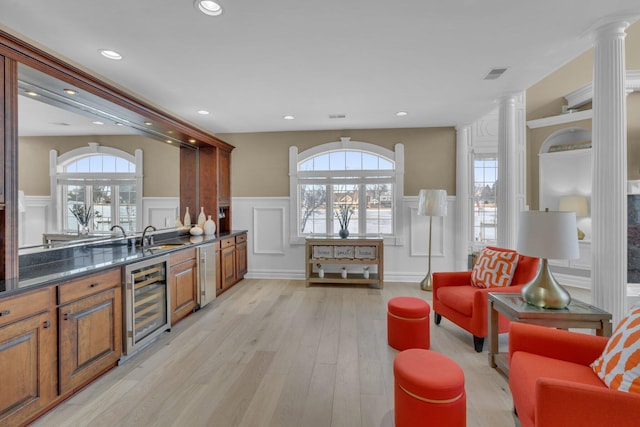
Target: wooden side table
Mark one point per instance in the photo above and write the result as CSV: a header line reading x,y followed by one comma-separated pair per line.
x,y
576,315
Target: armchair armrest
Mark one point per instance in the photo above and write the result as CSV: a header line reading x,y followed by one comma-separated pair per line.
x,y
561,403
557,344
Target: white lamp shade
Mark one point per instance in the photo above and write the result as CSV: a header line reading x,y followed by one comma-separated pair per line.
x,y
548,235
432,203
577,204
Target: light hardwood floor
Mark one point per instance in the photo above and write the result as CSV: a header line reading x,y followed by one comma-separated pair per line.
x,y
274,353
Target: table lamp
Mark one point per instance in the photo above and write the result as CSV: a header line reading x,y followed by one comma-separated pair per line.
x,y
431,203
577,204
547,235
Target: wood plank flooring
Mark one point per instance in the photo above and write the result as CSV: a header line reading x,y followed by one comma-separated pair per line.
x,y
273,353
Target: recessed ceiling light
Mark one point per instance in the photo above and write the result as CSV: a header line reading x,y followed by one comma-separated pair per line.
x,y
203,112
97,122
119,124
31,93
168,141
70,91
148,123
110,54
401,113
208,7
192,141
288,117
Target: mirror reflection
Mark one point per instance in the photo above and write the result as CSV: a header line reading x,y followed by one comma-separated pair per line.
x,y
87,165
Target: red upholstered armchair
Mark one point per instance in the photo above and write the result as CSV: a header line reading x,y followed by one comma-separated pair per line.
x,y
553,385
465,305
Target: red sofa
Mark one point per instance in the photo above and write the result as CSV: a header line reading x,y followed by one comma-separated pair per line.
x,y
465,305
553,385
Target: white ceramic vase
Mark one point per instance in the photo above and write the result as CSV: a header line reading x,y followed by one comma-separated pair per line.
x,y
209,226
187,218
344,273
365,274
202,218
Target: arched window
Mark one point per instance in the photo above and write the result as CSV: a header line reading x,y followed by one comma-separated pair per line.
x,y
362,180
105,180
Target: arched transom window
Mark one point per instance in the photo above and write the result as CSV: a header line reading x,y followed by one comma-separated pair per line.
x,y
361,180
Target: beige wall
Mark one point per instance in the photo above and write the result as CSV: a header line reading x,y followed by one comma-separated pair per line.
x,y
546,98
260,161
161,161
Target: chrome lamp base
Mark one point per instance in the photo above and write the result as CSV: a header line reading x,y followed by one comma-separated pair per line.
x,y
544,291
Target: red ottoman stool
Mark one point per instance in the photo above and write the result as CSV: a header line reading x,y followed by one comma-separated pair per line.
x,y
408,323
429,390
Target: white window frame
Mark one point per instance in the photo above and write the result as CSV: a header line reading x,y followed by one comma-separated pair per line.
x,y
58,177
396,156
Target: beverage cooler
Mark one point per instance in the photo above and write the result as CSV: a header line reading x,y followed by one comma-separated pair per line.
x,y
146,303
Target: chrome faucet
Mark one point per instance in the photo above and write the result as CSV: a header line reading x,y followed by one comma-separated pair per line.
x,y
147,240
124,233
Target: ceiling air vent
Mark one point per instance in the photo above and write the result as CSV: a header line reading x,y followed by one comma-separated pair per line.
x,y
337,116
495,73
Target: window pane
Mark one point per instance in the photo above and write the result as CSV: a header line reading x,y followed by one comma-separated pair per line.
x,y
369,161
385,164
102,207
313,209
337,161
484,218
75,197
354,160
379,208
127,207
345,207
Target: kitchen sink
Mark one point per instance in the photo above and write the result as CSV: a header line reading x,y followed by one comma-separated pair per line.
x,y
166,246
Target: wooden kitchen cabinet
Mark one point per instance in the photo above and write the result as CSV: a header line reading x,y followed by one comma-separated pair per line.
x,y
224,178
28,355
228,262
241,256
183,284
90,324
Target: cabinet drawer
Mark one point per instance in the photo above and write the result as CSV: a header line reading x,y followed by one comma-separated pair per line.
x,y
24,305
89,285
182,256
225,243
241,238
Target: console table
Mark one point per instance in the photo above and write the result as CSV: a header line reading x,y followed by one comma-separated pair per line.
x,y
353,254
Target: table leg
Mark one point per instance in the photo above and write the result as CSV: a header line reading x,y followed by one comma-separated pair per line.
x,y
605,329
493,334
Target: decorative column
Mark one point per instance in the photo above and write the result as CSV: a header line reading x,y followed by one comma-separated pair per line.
x,y
609,164
507,215
463,200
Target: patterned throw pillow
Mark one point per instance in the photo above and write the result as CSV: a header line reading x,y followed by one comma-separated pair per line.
x,y
619,365
494,269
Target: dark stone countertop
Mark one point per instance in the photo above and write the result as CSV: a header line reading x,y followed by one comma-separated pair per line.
x,y
55,265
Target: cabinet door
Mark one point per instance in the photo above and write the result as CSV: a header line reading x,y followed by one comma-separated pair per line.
x,y
228,267
183,288
241,260
224,178
90,337
27,367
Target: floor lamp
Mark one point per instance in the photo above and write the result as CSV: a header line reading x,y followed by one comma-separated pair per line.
x,y
431,203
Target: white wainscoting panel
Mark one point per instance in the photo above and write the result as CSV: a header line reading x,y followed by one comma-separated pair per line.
x,y
269,240
34,221
162,212
271,255
420,234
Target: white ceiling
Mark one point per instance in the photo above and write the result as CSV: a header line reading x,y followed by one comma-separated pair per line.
x,y
366,59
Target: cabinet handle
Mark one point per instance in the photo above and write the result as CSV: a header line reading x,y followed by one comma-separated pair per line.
x,y
5,313
46,324
93,285
66,316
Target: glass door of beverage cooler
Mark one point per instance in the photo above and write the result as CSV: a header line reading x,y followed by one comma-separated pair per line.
x,y
146,303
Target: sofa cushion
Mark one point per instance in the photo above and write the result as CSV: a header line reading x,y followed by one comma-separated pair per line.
x,y
494,269
619,364
458,298
525,368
